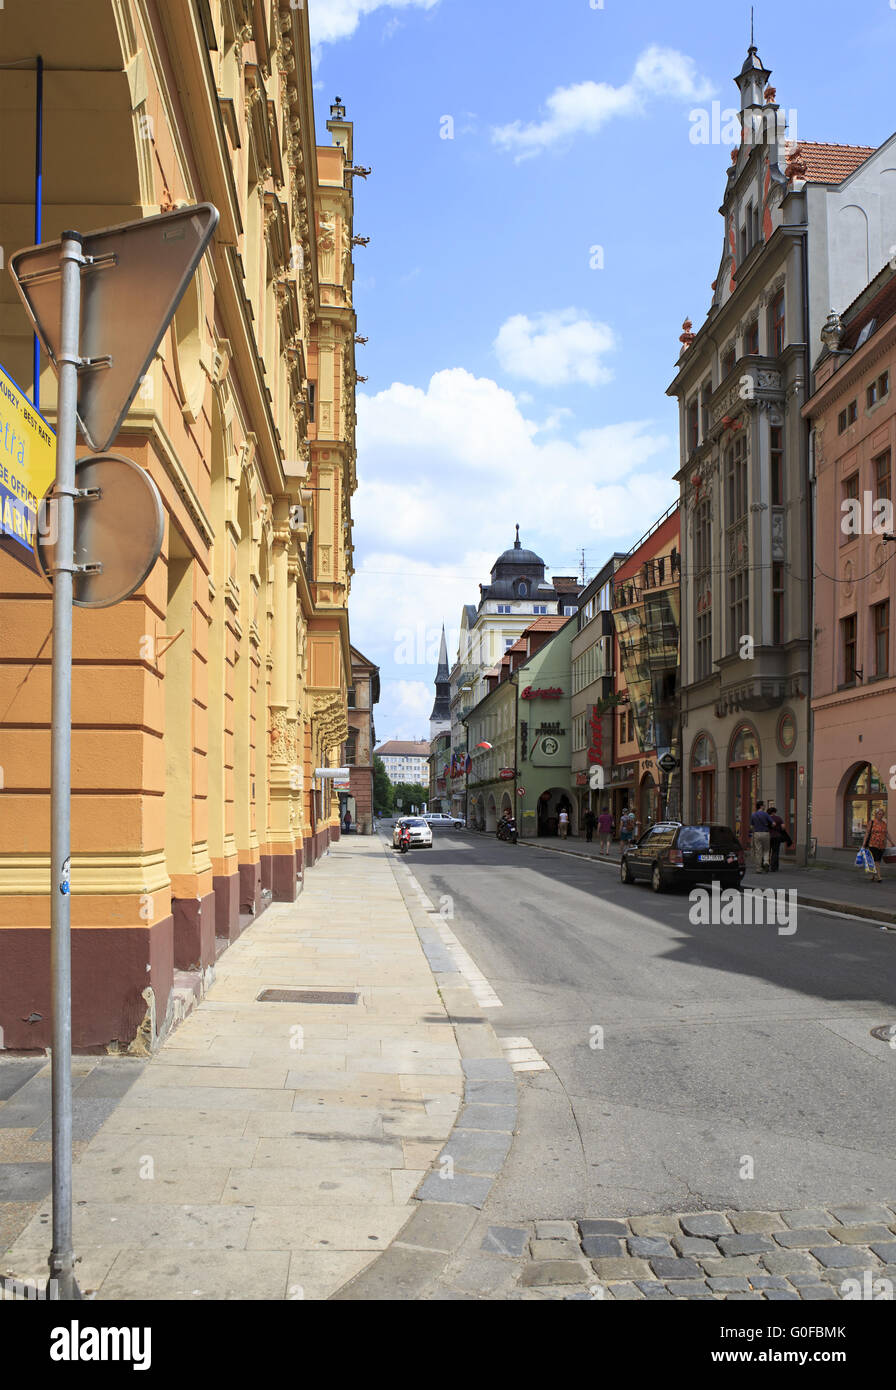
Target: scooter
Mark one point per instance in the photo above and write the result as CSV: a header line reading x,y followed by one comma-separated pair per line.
x,y
507,831
404,841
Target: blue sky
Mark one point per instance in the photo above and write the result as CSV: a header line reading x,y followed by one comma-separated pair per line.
x,y
526,279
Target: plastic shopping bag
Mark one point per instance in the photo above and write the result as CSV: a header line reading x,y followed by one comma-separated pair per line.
x,y
864,860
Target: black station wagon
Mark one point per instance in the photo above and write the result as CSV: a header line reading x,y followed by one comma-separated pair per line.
x,y
670,854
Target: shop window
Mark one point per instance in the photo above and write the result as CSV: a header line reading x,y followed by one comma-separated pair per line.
x,y
866,793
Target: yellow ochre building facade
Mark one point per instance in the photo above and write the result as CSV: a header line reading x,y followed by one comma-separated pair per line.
x,y
204,703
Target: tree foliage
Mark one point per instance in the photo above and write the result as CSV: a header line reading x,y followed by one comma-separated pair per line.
x,y
382,789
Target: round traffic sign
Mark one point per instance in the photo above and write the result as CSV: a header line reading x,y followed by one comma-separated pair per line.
x,y
521,791
119,528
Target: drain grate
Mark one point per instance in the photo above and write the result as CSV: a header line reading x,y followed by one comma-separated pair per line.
x,y
885,1033
308,996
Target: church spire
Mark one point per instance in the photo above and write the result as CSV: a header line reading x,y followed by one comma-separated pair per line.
x,y
440,719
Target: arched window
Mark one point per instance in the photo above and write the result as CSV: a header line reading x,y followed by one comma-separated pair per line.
x,y
703,753
703,779
744,746
866,792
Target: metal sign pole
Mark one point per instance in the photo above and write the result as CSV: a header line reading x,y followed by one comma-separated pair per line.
x,y
62,1259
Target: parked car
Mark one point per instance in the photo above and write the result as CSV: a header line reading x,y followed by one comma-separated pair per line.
x,y
671,854
438,818
421,835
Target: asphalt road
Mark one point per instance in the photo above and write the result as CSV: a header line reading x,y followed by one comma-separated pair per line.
x,y
726,1050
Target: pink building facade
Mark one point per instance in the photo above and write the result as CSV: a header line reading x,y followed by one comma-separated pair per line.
x,y
852,414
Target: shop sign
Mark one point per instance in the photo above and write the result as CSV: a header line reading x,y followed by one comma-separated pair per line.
x,y
505,773
27,468
545,692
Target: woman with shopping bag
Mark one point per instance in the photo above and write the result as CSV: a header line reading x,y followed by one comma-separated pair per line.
x,y
875,842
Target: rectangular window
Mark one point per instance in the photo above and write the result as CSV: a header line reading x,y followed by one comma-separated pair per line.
x,y
751,339
852,412
738,608
777,465
841,422
736,460
539,608
848,628
777,604
631,725
693,425
312,392
705,396
881,614
503,607
882,486
703,591
851,486
776,324
883,384
871,395
728,361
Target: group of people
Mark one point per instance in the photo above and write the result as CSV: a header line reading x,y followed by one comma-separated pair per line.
x,y
605,825
769,833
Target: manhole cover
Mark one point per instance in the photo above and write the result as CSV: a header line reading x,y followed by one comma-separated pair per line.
x,y
885,1033
308,996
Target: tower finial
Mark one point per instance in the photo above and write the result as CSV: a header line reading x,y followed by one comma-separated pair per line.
x,y
516,543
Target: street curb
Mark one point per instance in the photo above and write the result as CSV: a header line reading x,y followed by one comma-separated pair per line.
x,y
871,914
438,1225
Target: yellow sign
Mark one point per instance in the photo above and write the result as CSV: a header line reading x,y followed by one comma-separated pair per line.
x,y
27,468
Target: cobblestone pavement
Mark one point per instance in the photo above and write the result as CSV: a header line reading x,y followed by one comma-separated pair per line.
x,y
813,1254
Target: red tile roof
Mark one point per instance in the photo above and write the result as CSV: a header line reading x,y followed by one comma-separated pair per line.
x,y
402,748
830,163
552,623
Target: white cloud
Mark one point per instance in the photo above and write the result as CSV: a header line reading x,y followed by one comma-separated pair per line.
x,y
585,107
331,20
555,348
445,472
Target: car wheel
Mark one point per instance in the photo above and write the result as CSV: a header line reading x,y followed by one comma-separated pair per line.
x,y
625,872
657,882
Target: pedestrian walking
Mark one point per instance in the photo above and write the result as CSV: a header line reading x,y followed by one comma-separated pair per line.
x,y
626,826
876,840
563,824
761,827
779,835
590,821
605,828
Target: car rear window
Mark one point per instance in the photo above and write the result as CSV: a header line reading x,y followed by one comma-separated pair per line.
x,y
697,837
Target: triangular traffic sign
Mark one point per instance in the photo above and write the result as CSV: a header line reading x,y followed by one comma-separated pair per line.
x,y
130,290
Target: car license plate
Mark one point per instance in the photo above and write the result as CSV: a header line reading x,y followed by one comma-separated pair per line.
x,y
712,858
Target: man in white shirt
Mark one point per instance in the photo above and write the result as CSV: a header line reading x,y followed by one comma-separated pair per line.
x,y
563,826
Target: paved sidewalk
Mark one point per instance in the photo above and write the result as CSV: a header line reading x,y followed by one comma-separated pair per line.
x,y
270,1150
838,890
